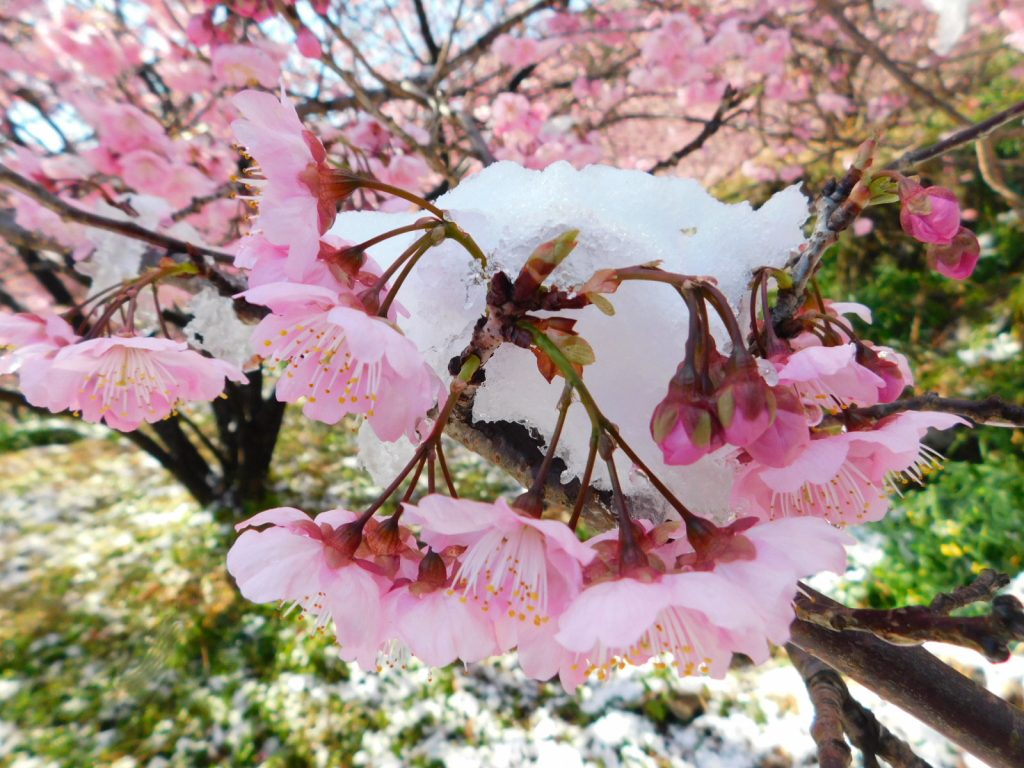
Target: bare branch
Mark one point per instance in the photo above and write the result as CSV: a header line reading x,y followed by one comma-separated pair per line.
x,y
981,590
992,411
130,229
730,99
960,138
914,680
828,694
832,698
989,635
428,36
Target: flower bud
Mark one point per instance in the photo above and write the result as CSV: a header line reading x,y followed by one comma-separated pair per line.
x,y
744,402
432,574
957,259
685,426
889,366
788,433
928,214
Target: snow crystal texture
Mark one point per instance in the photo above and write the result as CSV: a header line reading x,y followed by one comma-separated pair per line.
x,y
625,218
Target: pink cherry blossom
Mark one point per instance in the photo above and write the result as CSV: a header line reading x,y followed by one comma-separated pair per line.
x,y
784,551
297,192
33,341
340,360
25,335
436,621
308,43
524,569
124,128
310,563
831,377
928,214
244,65
787,435
630,621
128,380
267,263
844,478
744,402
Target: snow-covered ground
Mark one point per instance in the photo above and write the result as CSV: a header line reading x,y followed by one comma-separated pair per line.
x,y
122,643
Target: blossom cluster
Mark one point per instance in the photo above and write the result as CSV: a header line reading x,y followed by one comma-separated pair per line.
x,y
445,578
799,448
482,578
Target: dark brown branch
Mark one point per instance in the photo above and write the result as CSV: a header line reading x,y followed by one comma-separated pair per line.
x,y
130,229
914,680
990,634
832,699
730,99
428,36
872,738
828,693
517,450
981,590
992,411
46,276
958,139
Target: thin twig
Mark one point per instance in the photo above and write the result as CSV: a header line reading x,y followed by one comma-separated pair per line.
x,y
991,411
130,229
960,138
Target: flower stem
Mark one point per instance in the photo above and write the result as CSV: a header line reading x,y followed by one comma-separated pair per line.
x,y
410,263
598,420
454,232
469,368
416,200
540,478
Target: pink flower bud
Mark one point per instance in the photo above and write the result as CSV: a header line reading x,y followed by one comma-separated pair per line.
x,y
744,402
788,433
928,214
891,367
685,426
308,44
957,259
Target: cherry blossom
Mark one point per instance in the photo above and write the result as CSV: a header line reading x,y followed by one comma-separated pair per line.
x,y
297,192
845,478
311,563
524,569
340,360
127,380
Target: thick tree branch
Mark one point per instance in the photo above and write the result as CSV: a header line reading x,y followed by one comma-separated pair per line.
x,y
832,700
916,681
990,635
828,694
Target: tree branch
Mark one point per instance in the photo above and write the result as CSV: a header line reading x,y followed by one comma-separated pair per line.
x,y
428,36
992,411
130,229
730,99
972,133
917,682
828,694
